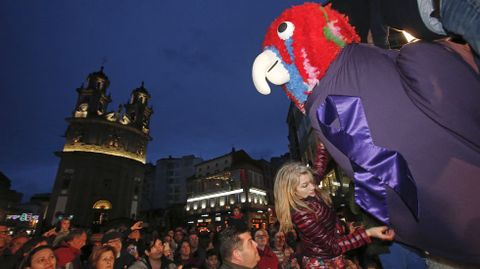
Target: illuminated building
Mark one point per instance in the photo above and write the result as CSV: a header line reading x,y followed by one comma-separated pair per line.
x,y
219,184
169,177
102,163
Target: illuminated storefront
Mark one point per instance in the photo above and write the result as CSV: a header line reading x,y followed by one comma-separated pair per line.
x,y
26,221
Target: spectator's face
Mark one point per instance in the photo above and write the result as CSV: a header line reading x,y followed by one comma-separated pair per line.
x,y
171,233
178,236
261,237
156,251
167,251
185,249
305,187
279,239
236,211
106,261
79,241
3,230
212,262
167,239
248,253
65,225
44,259
3,243
116,244
17,243
4,237
193,239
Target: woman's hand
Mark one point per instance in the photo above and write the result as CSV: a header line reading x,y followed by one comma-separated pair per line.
x,y
381,232
136,226
50,232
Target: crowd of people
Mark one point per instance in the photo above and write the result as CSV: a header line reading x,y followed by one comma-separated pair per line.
x,y
311,234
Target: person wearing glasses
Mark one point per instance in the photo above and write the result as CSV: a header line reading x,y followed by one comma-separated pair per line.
x,y
268,259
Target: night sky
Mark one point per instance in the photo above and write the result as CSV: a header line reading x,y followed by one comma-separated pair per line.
x,y
194,56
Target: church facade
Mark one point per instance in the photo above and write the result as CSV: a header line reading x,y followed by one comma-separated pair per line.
x,y
102,163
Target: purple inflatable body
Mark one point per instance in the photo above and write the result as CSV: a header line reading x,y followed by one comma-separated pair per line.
x,y
423,102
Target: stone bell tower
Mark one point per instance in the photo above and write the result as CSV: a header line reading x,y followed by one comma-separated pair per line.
x,y
102,162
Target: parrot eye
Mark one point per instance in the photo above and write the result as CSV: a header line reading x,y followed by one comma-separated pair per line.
x,y
285,30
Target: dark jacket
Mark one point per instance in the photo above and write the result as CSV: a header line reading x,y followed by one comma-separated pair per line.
x,y
124,261
320,231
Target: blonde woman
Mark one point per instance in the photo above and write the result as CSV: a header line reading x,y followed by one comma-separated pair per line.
x,y
299,203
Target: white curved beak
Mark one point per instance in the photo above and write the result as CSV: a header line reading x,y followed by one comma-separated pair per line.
x,y
267,66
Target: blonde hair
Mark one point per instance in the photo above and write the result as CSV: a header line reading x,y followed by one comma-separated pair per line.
x,y
286,199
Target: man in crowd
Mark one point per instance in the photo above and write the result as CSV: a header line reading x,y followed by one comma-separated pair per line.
x,y
178,237
153,257
123,258
197,252
237,248
211,260
268,259
4,238
11,256
70,249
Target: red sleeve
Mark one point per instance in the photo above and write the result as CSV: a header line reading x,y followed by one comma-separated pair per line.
x,y
64,256
354,240
318,228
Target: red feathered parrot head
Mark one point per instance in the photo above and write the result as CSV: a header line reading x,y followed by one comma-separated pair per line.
x,y
298,49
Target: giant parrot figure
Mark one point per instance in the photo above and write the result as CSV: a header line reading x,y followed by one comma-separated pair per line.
x,y
405,125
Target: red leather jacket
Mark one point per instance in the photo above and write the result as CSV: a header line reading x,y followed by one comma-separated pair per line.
x,y
320,231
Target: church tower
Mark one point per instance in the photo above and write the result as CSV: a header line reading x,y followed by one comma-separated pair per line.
x,y
137,109
102,163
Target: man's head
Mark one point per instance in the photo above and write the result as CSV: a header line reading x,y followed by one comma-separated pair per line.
x,y
76,238
154,250
185,249
236,211
238,247
3,230
113,239
178,237
4,237
17,243
261,237
278,239
211,259
193,240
